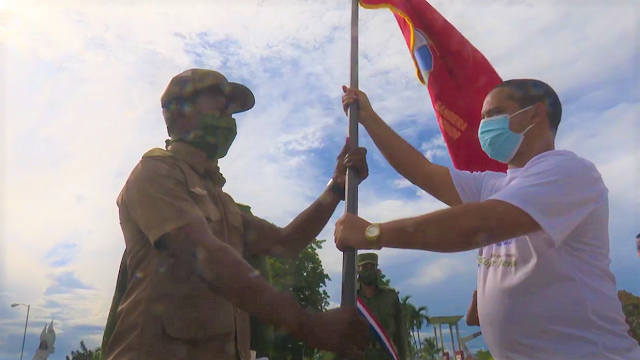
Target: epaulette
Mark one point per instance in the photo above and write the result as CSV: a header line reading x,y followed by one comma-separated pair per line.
x,y
244,208
157,152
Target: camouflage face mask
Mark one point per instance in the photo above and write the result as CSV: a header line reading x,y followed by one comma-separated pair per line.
x,y
214,136
368,276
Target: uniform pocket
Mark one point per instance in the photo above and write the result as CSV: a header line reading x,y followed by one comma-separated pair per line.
x,y
193,312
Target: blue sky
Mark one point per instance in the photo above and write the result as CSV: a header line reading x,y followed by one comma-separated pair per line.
x,y
81,83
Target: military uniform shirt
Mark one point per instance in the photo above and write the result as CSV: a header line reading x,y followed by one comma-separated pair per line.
x,y
386,307
167,312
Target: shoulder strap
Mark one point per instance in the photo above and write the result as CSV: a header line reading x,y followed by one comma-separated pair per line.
x,y
157,152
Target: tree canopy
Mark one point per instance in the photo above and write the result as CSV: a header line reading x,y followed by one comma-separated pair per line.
x,y
306,279
631,309
84,353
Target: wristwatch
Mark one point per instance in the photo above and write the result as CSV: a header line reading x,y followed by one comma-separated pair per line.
x,y
336,189
371,233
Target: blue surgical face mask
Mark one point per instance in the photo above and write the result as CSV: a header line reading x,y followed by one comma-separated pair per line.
x,y
497,140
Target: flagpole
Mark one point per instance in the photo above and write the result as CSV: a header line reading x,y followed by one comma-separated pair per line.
x,y
351,199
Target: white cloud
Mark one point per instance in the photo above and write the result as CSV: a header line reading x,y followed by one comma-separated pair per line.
x,y
611,142
402,183
434,147
439,270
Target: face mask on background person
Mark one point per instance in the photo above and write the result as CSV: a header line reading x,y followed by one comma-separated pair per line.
x,y
368,276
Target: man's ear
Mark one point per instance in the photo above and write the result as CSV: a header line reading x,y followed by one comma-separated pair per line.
x,y
540,112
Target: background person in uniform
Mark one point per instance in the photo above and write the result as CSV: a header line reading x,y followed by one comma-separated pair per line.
x,y
638,244
385,305
545,289
190,292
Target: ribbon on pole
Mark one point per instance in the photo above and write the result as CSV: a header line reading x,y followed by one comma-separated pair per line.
x,y
377,329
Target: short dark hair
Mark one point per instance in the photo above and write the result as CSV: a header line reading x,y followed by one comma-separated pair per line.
x,y
638,236
527,92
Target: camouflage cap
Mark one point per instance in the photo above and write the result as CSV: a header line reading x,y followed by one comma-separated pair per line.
x,y
367,258
188,83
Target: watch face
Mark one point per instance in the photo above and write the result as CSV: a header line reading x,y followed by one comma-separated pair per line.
x,y
372,231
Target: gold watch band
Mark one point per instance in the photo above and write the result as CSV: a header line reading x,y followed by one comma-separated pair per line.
x,y
373,238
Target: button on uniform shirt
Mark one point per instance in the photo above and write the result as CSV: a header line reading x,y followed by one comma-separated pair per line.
x,y
550,295
168,312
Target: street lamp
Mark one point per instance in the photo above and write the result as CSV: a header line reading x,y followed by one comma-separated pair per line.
x,y
24,337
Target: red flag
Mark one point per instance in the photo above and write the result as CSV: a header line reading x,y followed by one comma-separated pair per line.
x,y
457,75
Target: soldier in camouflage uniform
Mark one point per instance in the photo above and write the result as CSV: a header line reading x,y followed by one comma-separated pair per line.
x,y
385,305
184,290
261,333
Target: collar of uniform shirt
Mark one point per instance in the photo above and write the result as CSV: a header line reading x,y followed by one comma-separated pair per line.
x,y
198,162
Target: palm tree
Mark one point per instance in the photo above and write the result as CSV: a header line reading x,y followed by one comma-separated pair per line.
x,y
484,355
420,319
83,354
416,319
429,349
410,318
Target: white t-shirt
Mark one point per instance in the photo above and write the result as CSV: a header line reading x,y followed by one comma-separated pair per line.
x,y
550,295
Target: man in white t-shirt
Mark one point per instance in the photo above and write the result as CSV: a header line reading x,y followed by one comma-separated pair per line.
x,y
545,290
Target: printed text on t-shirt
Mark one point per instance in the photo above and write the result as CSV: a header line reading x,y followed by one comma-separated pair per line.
x,y
506,260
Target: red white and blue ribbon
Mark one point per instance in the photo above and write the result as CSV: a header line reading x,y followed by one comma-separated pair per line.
x,y
377,329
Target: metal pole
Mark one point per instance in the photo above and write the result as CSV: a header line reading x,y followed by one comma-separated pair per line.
x,y
24,337
458,337
351,196
435,338
453,345
441,340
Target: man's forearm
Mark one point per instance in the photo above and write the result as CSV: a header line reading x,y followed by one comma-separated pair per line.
x,y
306,226
456,229
194,248
401,155
229,275
411,164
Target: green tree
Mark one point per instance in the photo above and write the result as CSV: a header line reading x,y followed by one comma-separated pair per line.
x,y
416,319
429,350
306,279
84,353
420,319
484,355
409,311
384,281
631,309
